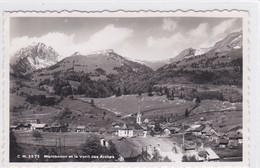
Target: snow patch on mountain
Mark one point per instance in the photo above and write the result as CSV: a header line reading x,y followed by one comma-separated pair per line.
x,y
136,60
200,51
102,52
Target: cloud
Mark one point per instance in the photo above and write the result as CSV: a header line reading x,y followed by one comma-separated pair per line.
x,y
109,37
59,41
223,27
164,42
169,24
203,35
200,31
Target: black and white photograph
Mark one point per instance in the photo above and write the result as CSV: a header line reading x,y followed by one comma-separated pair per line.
x,y
126,88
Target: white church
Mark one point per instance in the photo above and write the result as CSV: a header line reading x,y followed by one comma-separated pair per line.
x,y
133,129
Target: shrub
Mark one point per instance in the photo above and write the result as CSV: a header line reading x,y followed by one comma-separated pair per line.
x,y
37,135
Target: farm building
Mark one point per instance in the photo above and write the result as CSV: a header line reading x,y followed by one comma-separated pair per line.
x,y
189,146
207,154
41,127
171,130
223,143
223,135
232,135
235,136
212,136
202,154
211,155
13,127
240,138
21,127
81,129
127,152
208,130
49,89
235,139
56,126
196,129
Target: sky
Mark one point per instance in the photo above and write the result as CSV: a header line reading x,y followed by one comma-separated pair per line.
x,y
151,39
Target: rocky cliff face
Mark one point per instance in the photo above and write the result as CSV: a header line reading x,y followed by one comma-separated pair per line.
x,y
33,57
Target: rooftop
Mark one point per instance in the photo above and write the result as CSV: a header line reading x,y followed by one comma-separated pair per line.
x,y
223,141
211,154
39,125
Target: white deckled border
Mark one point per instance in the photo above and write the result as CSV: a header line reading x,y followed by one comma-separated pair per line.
x,y
141,13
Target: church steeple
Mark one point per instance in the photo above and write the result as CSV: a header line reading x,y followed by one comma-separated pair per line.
x,y
139,115
138,118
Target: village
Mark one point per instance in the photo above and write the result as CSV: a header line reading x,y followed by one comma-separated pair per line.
x,y
141,139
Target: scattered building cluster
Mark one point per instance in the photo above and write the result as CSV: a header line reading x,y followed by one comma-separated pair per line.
x,y
232,139
127,135
34,124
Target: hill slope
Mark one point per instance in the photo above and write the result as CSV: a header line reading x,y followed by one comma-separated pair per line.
x,y
222,62
99,74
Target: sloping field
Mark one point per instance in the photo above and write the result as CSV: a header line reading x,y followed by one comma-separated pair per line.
x,y
83,107
232,119
53,139
43,113
216,105
21,110
160,105
128,104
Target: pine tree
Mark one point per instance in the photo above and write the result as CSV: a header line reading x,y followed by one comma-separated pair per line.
x,y
198,100
150,91
186,112
92,102
118,93
166,91
125,91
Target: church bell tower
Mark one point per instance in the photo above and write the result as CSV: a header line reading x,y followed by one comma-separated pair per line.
x,y
139,115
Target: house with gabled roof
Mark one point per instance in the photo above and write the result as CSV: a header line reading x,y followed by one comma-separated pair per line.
x,y
81,128
223,143
13,127
211,155
127,152
208,130
40,127
125,131
196,129
223,135
22,126
56,126
235,138
130,130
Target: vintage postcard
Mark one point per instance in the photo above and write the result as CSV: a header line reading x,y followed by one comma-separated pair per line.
x,y
160,87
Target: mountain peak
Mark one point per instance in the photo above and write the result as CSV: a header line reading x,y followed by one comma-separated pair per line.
x,y
232,41
103,52
76,53
33,57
